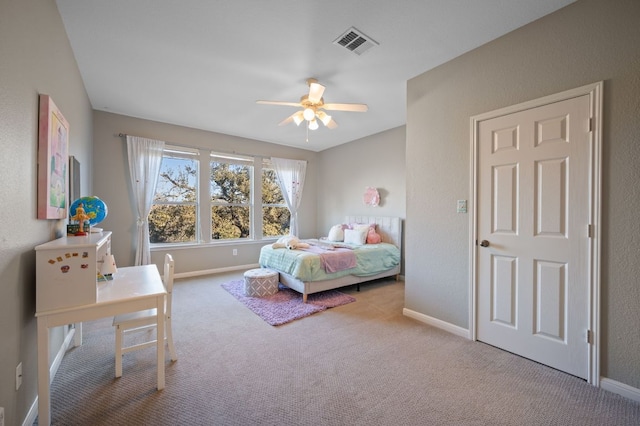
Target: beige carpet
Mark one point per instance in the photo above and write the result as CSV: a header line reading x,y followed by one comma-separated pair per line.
x,y
358,364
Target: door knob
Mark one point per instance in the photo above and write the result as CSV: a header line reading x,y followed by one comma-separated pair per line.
x,y
484,243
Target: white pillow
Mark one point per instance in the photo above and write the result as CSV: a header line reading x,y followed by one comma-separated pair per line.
x,y
336,233
365,226
355,236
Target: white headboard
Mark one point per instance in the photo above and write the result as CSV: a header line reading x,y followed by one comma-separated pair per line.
x,y
389,228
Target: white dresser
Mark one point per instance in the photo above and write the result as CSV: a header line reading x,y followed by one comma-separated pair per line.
x,y
67,270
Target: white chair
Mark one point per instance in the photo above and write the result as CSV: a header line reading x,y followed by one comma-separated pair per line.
x,y
146,320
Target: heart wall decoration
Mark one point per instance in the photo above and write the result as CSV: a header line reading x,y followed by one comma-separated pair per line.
x,y
371,196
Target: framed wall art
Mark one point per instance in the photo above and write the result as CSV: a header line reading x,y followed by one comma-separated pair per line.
x,y
53,161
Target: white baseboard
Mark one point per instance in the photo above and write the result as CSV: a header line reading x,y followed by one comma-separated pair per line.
x,y
216,271
32,414
620,388
63,350
435,322
605,383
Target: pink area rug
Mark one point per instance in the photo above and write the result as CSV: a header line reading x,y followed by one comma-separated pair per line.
x,y
286,305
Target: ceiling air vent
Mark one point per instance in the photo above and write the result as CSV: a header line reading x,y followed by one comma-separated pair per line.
x,y
355,41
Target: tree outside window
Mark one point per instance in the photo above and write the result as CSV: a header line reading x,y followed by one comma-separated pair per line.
x,y
177,215
230,197
173,217
275,213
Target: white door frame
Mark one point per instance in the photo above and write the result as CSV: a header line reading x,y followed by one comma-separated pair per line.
x,y
594,187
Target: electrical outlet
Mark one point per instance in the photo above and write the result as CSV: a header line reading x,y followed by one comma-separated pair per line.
x,y
461,206
18,376
235,252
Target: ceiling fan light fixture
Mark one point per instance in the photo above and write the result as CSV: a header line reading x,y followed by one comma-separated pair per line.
x,y
324,117
309,114
312,107
298,118
315,91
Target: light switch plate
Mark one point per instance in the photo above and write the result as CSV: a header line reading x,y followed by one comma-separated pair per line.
x,y
462,206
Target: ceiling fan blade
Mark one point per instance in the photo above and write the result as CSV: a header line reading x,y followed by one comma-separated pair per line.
x,y
332,124
296,117
295,104
315,92
286,121
346,107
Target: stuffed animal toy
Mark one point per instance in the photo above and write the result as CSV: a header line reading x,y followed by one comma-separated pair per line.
x,y
373,237
289,242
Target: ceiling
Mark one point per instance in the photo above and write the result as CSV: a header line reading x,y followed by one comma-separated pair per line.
x,y
204,63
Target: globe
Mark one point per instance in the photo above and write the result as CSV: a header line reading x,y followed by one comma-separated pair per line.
x,y
94,207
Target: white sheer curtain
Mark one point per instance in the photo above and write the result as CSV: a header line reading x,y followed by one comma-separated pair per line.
x,y
291,178
145,157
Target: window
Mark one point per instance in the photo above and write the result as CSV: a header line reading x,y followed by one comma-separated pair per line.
x,y
275,213
231,178
236,184
173,217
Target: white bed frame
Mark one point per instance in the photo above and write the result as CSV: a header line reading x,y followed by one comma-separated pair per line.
x,y
389,228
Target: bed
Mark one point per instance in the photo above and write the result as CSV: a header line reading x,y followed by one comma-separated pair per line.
x,y
302,269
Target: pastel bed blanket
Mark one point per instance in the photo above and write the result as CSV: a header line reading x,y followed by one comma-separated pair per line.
x,y
334,260
306,265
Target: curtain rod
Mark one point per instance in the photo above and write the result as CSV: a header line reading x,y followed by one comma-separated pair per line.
x,y
124,135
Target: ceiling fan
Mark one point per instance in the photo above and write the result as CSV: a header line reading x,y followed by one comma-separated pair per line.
x,y
312,105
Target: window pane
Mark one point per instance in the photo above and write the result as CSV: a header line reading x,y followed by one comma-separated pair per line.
x,y
230,183
173,214
271,193
171,223
229,222
275,214
177,180
275,221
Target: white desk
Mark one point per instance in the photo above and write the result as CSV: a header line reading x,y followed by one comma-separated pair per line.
x,y
132,289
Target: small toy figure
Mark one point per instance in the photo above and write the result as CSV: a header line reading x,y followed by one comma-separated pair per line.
x,y
81,217
290,242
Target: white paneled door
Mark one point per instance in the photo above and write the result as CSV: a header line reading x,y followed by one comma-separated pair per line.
x,y
533,229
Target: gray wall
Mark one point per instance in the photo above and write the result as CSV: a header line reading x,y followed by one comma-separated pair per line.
x,y
588,41
35,57
346,170
111,184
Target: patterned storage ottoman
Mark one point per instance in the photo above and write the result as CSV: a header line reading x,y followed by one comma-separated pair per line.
x,y
261,282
